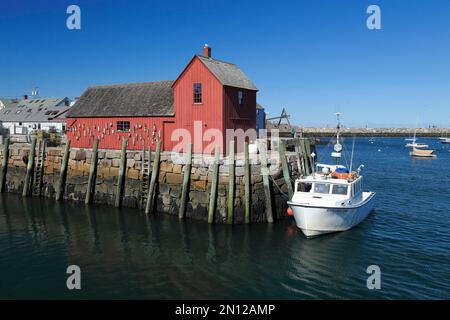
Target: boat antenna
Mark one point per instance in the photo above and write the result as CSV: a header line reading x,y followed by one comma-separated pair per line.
x,y
353,151
337,147
313,157
338,131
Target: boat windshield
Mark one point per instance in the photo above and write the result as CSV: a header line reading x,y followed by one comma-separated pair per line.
x,y
323,188
304,187
340,189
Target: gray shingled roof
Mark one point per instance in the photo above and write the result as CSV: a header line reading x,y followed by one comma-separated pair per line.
x,y
227,73
7,102
34,110
125,100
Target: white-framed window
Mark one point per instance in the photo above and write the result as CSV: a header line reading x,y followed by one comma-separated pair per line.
x,y
197,92
240,97
123,126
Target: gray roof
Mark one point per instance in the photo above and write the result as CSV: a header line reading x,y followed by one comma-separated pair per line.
x,y
34,110
7,102
125,100
227,73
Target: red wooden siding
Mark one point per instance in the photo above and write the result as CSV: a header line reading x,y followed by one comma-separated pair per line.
x,y
83,131
239,116
209,111
218,111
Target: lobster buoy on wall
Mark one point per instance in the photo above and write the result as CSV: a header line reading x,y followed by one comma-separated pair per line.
x,y
290,213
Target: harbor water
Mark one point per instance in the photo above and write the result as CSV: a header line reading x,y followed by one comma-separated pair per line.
x,y
123,254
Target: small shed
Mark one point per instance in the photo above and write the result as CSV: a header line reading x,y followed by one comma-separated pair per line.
x,y
260,118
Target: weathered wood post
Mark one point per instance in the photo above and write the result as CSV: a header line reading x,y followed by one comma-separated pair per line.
x,y
186,184
63,173
299,157
308,155
231,182
121,177
92,174
247,181
214,183
30,165
285,168
266,182
304,156
4,165
155,174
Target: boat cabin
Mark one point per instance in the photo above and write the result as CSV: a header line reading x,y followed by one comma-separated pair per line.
x,y
329,185
332,187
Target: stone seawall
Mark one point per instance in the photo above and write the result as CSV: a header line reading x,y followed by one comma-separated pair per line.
x,y
375,132
169,184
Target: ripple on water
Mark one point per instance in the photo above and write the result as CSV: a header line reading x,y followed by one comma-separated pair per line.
x,y
123,254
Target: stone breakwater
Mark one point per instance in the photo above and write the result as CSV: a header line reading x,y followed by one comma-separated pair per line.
x,y
169,182
375,132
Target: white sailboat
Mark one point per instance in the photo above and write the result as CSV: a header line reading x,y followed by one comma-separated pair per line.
x,y
414,143
331,199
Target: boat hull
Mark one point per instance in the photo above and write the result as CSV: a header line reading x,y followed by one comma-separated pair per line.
x,y
314,221
423,155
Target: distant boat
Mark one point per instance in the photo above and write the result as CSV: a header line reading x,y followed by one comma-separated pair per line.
x,y
409,137
421,153
414,144
445,140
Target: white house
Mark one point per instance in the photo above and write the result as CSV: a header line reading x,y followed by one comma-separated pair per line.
x,y
22,116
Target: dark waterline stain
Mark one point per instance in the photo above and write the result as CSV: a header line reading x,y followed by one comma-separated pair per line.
x,y
124,254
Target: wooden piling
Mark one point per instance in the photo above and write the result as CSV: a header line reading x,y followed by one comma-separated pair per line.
x,y
231,182
92,174
284,165
186,184
308,155
266,183
304,156
4,164
214,183
247,181
154,178
30,165
299,157
63,173
121,177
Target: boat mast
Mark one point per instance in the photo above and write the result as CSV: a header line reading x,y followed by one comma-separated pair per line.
x,y
338,131
337,147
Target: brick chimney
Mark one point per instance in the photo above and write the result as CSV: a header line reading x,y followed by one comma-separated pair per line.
x,y
207,51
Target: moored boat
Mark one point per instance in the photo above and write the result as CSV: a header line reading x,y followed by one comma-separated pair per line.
x,y
445,140
414,143
331,199
420,153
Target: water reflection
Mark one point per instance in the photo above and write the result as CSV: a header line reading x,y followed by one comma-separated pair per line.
x,y
125,254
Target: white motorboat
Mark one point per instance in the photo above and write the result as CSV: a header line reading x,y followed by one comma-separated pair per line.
x,y
331,199
445,140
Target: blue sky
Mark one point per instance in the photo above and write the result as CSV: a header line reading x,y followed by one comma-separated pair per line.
x,y
313,57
